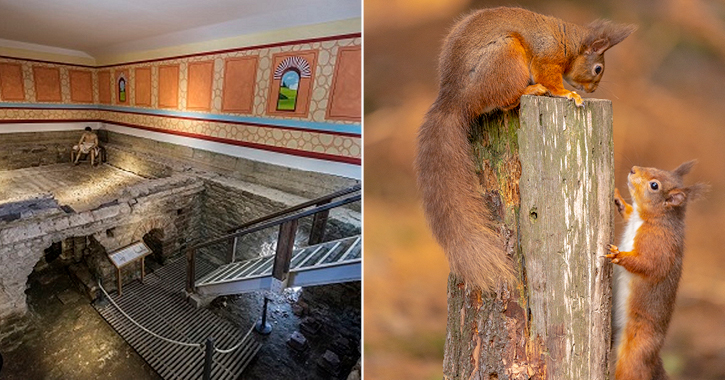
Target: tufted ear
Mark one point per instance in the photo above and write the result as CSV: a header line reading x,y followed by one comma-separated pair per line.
x,y
676,197
684,168
697,191
604,34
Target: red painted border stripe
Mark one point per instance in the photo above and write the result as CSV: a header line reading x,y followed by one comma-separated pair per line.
x,y
289,151
233,50
48,62
38,121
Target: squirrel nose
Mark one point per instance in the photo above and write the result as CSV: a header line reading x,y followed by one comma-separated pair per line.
x,y
633,170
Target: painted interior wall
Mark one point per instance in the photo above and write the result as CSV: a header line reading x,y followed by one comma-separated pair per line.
x,y
224,100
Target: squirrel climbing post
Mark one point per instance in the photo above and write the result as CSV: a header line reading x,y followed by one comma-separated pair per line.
x,y
547,172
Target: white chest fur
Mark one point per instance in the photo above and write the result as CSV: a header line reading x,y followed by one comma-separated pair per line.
x,y
630,231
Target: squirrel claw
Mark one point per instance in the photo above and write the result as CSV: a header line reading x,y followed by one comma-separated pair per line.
x,y
614,255
576,98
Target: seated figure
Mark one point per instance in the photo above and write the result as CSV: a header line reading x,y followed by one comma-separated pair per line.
x,y
88,144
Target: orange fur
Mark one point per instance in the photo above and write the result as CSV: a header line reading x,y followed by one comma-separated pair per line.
x,y
489,59
656,265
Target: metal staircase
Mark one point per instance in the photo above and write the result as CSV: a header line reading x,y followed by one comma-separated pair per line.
x,y
327,263
317,264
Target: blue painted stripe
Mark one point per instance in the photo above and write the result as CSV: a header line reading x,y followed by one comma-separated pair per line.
x,y
298,124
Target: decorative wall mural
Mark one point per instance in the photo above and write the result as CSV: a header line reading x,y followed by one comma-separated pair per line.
x,y
122,90
231,97
298,63
11,82
199,85
168,88
81,86
104,86
346,92
287,99
240,80
292,81
289,72
142,89
47,84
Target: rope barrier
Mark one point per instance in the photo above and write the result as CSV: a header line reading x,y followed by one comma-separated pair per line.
x,y
180,343
237,345
199,345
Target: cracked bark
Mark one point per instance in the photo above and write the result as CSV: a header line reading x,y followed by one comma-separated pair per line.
x,y
546,170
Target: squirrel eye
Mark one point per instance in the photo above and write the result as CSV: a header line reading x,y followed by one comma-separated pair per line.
x,y
597,69
654,185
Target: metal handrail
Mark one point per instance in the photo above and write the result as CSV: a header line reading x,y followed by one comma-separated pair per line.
x,y
300,206
283,255
277,222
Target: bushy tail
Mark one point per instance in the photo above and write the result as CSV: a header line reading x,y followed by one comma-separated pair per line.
x,y
460,221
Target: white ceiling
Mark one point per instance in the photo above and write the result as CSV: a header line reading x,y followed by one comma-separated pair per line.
x,y
98,27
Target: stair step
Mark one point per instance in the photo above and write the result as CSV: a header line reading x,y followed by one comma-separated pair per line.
x,y
324,256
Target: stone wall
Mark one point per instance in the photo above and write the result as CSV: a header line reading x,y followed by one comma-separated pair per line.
x,y
171,204
156,159
23,150
293,181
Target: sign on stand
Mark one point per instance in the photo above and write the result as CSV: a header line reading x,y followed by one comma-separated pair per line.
x,y
127,255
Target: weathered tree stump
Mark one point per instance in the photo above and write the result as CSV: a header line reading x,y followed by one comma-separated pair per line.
x,y
547,170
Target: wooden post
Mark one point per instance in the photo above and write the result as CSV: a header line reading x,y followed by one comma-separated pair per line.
x,y
118,279
143,269
319,222
547,170
190,271
285,245
232,255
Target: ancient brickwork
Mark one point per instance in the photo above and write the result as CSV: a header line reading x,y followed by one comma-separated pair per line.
x,y
148,205
22,150
147,152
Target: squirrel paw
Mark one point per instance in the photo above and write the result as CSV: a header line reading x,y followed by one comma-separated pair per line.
x,y
576,98
618,201
536,89
614,255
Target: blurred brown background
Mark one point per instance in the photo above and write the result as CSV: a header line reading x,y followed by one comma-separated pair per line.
x,y
667,85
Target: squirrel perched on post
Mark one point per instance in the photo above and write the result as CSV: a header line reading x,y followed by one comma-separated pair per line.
x,y
651,251
489,60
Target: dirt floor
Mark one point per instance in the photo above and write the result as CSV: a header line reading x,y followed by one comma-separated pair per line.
x,y
67,339
339,319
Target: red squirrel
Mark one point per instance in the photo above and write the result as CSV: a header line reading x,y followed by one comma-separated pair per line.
x,y
488,61
651,251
